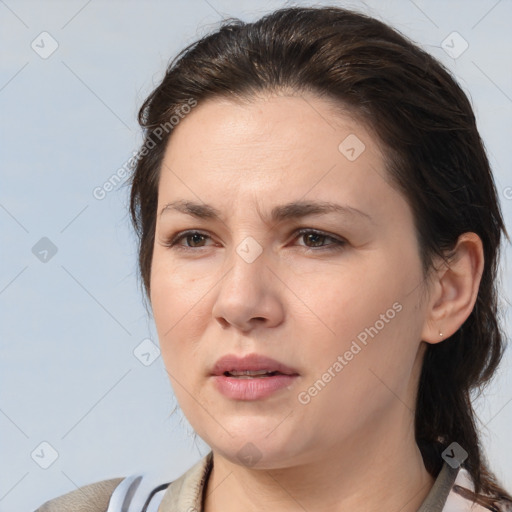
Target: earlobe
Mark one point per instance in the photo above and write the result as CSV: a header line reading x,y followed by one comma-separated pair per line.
x,y
454,289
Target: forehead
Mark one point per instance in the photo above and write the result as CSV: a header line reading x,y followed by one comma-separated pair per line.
x,y
283,122
287,145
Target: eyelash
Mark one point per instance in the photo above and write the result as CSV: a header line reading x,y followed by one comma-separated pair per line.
x,y
336,246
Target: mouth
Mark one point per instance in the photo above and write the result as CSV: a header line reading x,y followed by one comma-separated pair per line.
x,y
248,374
250,366
253,377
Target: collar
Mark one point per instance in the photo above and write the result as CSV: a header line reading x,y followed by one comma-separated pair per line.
x,y
187,492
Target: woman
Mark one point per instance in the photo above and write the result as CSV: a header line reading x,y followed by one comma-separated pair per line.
x,y
319,237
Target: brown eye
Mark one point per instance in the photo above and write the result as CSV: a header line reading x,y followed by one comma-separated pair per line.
x,y
316,238
194,237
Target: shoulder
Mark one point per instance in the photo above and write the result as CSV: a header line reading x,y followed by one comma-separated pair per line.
x,y
89,498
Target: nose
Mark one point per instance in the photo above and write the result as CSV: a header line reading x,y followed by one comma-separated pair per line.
x,y
249,294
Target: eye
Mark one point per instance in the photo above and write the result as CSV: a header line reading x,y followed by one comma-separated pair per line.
x,y
195,236
313,236
316,237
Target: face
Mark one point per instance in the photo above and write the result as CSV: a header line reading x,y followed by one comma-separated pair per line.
x,y
335,296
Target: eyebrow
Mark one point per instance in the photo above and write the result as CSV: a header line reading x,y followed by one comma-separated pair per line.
x,y
293,210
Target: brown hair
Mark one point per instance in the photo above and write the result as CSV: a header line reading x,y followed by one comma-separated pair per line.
x,y
434,155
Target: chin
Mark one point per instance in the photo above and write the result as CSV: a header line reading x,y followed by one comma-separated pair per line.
x,y
256,449
255,456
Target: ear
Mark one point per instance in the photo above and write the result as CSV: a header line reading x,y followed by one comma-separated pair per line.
x,y
454,289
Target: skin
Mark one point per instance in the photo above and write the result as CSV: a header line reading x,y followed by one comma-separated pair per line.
x,y
300,303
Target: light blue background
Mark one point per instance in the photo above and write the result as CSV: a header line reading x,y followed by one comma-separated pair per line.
x,y
69,326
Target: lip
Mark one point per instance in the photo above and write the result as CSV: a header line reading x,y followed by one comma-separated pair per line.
x,y
251,362
255,388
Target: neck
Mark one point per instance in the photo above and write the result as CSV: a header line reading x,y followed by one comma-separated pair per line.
x,y
377,470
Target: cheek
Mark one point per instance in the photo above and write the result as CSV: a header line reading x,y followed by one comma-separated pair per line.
x,y
178,310
368,313
356,378
343,301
